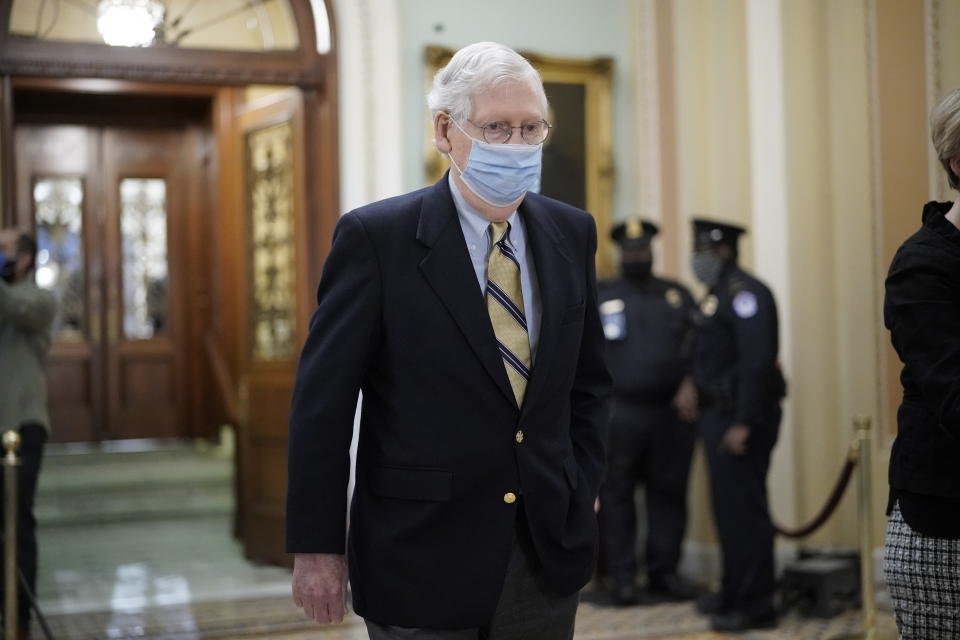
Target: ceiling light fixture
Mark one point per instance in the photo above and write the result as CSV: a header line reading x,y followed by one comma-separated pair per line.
x,y
129,23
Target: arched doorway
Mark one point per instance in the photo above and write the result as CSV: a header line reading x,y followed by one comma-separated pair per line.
x,y
241,179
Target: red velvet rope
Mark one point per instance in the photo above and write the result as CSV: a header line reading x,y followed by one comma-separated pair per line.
x,y
831,505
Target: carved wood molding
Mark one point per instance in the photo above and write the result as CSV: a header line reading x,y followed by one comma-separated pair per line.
x,y
304,66
67,68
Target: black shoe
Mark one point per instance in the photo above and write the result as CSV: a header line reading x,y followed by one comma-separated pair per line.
x,y
739,621
624,595
670,587
711,603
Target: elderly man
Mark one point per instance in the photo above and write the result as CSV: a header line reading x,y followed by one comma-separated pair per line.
x,y
466,313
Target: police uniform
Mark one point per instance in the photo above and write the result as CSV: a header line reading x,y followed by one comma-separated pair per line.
x,y
648,323
739,383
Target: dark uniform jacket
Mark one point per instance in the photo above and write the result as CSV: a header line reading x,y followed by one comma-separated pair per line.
x,y
649,341
922,312
401,318
735,366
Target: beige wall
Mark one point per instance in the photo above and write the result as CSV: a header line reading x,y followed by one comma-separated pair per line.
x,y
710,67
712,174
834,301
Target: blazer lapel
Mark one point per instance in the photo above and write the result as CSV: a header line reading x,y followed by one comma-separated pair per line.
x,y
550,259
448,269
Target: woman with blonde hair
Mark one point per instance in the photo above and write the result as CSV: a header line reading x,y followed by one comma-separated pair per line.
x,y
922,312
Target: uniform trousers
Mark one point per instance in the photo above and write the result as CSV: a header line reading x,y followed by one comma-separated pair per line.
x,y
32,439
526,608
923,576
738,490
648,445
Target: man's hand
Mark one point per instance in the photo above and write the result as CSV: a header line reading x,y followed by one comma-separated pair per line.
x,y
687,401
320,586
735,439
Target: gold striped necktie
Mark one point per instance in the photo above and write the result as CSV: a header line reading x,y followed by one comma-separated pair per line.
x,y
505,306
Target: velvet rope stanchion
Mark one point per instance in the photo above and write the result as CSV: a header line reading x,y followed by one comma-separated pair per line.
x,y
839,488
868,597
11,442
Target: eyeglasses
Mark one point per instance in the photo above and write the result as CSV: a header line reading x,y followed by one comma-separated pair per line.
x,y
534,132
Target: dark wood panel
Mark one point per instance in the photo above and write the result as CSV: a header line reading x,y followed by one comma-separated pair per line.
x,y
263,539
271,489
70,399
69,383
147,383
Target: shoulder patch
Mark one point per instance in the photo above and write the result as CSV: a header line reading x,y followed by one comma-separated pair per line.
x,y
745,304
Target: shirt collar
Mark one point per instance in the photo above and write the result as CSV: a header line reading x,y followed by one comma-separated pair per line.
x,y
472,219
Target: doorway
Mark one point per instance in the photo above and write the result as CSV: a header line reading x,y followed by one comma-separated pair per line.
x,y
118,214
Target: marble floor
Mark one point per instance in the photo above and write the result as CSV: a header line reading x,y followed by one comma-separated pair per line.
x,y
149,570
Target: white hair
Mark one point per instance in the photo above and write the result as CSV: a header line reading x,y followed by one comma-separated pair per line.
x,y
945,133
475,69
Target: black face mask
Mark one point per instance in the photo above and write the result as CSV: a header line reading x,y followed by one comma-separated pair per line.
x,y
708,266
8,272
636,270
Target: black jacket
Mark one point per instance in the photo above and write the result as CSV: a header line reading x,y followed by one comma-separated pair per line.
x,y
401,318
922,312
735,364
649,340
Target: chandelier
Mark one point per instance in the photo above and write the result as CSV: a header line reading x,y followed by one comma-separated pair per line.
x,y
129,23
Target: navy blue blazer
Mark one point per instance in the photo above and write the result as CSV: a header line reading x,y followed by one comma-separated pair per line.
x,y
401,318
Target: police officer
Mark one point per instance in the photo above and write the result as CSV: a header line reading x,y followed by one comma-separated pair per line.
x,y
648,322
740,387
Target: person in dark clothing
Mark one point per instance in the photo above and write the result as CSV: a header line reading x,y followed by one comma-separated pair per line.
x,y
740,387
26,319
648,323
922,312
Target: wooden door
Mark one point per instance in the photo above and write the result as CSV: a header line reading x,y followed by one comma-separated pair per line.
x,y
143,218
108,206
268,164
59,195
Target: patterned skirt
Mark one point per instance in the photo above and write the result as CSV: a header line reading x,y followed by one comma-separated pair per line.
x,y
923,576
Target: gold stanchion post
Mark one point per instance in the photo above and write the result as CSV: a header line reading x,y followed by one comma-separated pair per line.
x,y
11,442
868,596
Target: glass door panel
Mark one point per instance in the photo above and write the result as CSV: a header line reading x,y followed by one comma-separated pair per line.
x,y
143,237
58,211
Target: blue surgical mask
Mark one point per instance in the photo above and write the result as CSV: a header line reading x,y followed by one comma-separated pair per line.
x,y
499,174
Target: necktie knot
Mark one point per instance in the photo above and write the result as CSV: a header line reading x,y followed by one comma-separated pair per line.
x,y
501,232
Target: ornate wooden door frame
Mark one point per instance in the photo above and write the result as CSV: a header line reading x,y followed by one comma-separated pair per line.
x,y
217,76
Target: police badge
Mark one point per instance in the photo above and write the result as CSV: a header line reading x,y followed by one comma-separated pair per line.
x,y
613,319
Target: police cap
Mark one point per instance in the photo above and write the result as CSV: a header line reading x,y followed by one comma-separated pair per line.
x,y
634,231
708,232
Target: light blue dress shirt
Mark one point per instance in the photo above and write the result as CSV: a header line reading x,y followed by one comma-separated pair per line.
x,y
476,231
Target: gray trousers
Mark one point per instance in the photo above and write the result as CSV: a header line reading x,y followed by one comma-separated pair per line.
x,y
525,609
